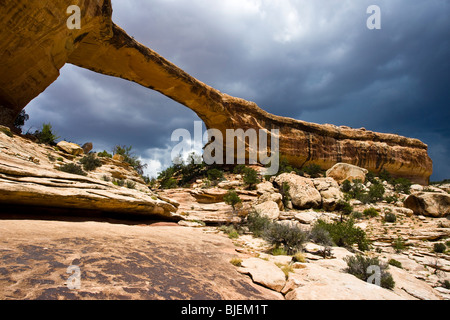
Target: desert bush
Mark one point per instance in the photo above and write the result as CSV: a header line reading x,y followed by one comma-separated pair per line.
x,y
130,158
214,174
46,135
399,244
344,207
72,168
130,184
402,185
118,182
320,235
251,178
90,162
344,233
371,212
104,154
290,238
313,170
439,247
358,266
257,223
395,263
384,175
284,191
376,192
239,169
390,217
346,186
232,199
391,199
236,262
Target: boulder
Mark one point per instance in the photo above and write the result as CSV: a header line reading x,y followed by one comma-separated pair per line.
x,y
211,195
264,272
87,147
344,171
275,197
265,186
303,193
330,192
268,209
434,204
70,148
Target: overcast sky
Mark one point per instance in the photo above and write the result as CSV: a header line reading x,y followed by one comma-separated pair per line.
x,y
313,60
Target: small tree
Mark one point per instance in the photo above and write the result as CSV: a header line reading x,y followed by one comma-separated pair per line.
x,y
251,178
19,122
130,158
46,135
232,199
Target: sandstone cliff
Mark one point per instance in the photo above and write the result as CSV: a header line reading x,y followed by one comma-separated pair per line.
x,y
36,43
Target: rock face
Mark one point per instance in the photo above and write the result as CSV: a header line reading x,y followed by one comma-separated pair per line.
x,y
344,171
36,43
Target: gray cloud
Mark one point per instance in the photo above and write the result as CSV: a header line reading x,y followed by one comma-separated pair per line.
x,y
311,60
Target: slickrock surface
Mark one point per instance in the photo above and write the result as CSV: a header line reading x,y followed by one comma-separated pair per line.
x,y
119,262
36,43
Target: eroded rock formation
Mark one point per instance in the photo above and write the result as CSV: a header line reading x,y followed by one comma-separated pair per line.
x,y
35,43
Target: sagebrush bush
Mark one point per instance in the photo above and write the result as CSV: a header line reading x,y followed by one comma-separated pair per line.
x,y
290,238
439,247
104,154
344,233
251,178
90,162
390,217
232,199
371,212
72,168
358,266
257,223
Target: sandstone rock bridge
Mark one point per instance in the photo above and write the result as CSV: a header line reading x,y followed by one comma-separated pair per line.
x,y
35,43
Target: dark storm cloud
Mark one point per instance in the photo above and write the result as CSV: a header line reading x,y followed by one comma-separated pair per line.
x,y
311,60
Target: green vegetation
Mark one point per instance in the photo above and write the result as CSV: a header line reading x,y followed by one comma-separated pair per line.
x,y
390,217
130,158
313,170
288,237
395,263
232,199
90,162
6,131
399,244
130,184
343,233
257,223
214,175
46,135
439,247
251,178
360,267
20,120
236,262
72,168
104,154
402,185
284,191
371,212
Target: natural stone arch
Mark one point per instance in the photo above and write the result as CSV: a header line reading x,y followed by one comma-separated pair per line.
x,y
35,43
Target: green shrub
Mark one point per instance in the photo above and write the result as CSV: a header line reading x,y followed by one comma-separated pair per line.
x,y
290,238
395,263
371,212
130,184
357,215
236,262
72,168
346,186
130,158
279,252
399,244
390,217
402,185
439,247
320,235
358,266
46,135
251,178
391,199
239,169
232,199
376,192
90,162
284,191
257,223
313,170
344,233
104,154
344,207
214,174
118,182
6,131
384,175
